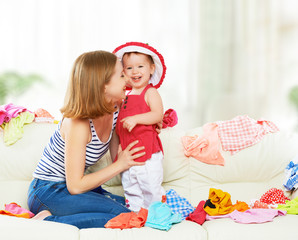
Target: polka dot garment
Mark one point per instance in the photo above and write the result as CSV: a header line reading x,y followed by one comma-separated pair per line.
x,y
274,196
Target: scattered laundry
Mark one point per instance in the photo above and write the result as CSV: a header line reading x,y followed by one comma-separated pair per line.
x,y
160,216
42,115
274,196
170,118
251,215
13,209
242,132
291,207
218,203
291,172
128,220
178,204
204,148
13,130
10,111
199,214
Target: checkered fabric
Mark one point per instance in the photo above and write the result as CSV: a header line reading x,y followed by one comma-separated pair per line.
x,y
179,204
242,132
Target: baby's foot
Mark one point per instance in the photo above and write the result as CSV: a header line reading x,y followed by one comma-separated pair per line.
x,y
42,215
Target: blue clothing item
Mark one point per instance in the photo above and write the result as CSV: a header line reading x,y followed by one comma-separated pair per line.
x,y
160,216
87,210
179,204
291,171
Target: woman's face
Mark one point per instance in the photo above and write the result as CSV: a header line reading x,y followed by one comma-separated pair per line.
x,y
115,89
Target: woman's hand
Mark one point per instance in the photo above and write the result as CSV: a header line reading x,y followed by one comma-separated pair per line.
x,y
126,157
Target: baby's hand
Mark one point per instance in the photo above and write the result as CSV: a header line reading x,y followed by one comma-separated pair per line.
x,y
129,123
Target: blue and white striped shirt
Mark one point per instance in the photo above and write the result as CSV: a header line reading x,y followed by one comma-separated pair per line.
x,y
51,165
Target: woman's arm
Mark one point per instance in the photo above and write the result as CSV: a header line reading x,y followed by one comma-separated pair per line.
x,y
155,115
77,135
114,146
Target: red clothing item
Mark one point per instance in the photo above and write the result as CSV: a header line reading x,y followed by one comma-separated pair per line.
x,y
146,134
128,220
198,215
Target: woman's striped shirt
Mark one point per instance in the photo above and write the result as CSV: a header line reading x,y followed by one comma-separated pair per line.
x,y
51,165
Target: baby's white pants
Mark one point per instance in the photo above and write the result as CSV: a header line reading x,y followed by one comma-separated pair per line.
x,y
142,184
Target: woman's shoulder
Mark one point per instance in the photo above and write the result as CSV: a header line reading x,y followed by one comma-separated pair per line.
x,y
71,126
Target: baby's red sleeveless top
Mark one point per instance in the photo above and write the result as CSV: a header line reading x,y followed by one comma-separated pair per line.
x,y
146,134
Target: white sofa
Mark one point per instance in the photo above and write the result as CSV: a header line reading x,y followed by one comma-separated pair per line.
x,y
246,175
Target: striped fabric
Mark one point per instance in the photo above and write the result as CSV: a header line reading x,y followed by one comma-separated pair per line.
x,y
51,165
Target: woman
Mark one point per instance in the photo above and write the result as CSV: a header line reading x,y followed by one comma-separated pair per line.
x,y
60,191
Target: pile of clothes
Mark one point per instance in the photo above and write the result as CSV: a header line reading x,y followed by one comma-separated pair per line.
x,y
14,117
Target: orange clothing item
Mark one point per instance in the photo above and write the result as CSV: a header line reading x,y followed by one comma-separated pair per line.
x,y
206,147
240,206
16,210
220,203
128,220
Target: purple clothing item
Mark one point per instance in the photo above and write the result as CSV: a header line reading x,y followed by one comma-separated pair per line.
x,y
257,215
9,111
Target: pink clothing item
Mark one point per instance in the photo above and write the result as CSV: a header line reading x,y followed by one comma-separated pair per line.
x,y
170,118
251,215
16,210
9,111
242,132
206,147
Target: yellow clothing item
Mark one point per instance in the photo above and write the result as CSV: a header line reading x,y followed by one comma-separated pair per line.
x,y
13,130
221,201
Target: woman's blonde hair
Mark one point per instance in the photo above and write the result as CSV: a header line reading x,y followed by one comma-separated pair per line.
x,y
85,93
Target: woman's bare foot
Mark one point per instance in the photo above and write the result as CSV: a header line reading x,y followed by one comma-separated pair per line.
x,y
42,215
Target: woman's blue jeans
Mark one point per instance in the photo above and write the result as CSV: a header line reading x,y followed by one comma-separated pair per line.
x,y
86,210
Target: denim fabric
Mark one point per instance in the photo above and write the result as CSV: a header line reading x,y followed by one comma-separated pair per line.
x,y
91,209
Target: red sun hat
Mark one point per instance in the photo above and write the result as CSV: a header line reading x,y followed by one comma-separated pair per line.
x,y
160,67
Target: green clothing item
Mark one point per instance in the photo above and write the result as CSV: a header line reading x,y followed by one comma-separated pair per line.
x,y
13,130
291,207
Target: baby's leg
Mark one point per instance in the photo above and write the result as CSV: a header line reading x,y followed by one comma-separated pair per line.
x,y
133,194
151,179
